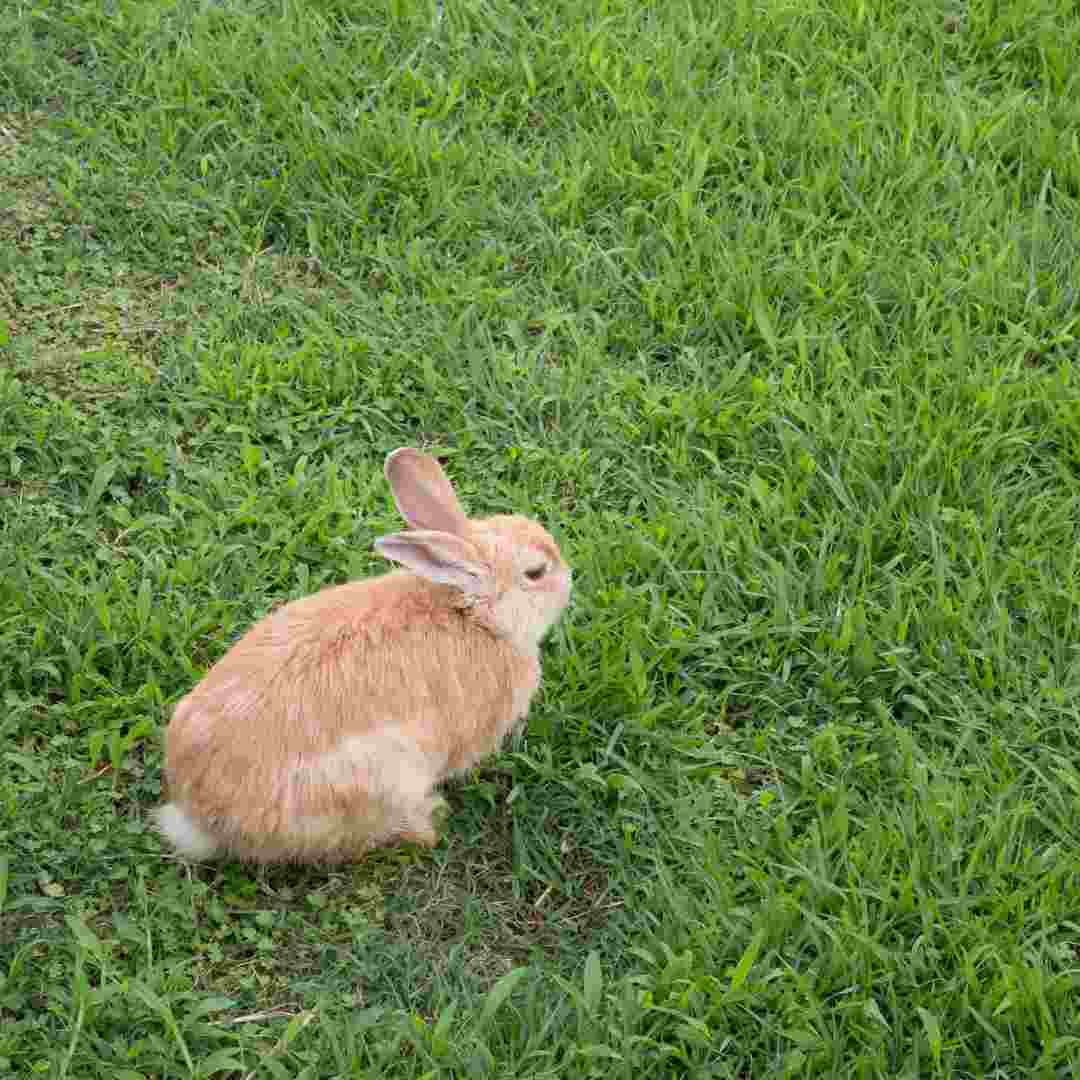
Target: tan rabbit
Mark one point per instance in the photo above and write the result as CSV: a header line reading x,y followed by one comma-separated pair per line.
x,y
325,729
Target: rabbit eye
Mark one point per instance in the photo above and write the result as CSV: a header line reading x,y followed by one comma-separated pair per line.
x,y
535,573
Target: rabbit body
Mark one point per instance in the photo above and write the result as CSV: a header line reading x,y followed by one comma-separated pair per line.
x,y
324,731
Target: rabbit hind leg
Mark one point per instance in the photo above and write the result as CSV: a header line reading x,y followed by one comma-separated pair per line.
x,y
384,783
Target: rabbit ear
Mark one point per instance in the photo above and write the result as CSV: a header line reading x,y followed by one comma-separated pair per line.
x,y
422,492
440,557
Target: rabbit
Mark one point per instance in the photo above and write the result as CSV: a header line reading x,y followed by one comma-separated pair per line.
x,y
324,731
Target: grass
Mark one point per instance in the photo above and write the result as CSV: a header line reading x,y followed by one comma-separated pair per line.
x,y
769,311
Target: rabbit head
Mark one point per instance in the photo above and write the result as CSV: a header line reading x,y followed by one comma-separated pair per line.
x,y
507,568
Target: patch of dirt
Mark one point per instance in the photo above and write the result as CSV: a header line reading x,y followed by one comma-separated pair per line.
x,y
519,916
59,322
269,274
81,323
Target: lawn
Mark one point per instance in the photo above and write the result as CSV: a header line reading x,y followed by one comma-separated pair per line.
x,y
769,311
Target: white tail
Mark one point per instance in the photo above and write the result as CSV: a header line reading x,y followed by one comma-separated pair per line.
x,y
188,839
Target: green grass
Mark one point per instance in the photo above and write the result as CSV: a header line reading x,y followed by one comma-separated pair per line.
x,y
770,312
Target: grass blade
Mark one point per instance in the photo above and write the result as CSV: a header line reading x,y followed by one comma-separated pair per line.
x,y
499,993
746,962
